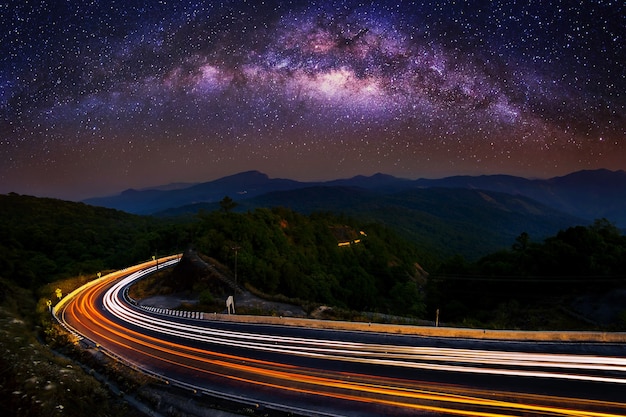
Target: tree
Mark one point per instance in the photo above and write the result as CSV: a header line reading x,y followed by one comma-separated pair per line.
x,y
407,299
227,204
521,242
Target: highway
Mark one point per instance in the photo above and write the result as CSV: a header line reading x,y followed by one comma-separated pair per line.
x,y
310,371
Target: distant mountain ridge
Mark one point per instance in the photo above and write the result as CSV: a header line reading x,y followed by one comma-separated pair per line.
x,y
467,215
239,186
588,194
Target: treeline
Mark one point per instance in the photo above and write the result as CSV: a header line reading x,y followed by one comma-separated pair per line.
x,y
576,261
279,251
43,239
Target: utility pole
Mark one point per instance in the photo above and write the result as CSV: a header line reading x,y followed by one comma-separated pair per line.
x,y
236,249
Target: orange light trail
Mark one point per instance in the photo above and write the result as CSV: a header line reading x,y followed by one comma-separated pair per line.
x,y
83,316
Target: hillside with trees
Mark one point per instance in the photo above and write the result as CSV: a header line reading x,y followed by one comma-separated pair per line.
x,y
441,222
321,258
44,239
574,279
580,274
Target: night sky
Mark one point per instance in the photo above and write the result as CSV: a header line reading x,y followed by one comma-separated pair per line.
x,y
100,96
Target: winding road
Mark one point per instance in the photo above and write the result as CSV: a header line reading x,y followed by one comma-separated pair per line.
x,y
310,371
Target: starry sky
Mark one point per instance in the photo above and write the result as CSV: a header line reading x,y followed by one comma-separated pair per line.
x,y
100,96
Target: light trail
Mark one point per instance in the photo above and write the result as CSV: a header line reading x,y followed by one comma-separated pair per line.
x,y
401,356
403,394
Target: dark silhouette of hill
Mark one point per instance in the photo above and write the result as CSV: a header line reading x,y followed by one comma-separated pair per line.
x,y
42,239
450,221
587,195
377,182
192,269
239,186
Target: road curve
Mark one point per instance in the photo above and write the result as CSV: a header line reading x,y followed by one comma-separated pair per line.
x,y
321,372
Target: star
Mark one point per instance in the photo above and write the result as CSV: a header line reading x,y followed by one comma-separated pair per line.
x,y
133,94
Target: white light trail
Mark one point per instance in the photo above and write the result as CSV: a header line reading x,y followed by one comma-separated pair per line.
x,y
541,365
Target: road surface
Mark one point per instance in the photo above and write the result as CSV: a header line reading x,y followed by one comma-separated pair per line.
x,y
329,372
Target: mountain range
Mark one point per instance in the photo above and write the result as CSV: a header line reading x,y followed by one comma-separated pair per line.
x,y
586,194
459,214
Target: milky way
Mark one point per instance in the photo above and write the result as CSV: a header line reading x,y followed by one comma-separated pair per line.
x,y
96,97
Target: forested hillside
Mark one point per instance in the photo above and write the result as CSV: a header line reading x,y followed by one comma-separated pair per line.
x,y
442,222
320,257
45,239
334,260
580,271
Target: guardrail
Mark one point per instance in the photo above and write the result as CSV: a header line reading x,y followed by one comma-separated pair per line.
x,y
449,332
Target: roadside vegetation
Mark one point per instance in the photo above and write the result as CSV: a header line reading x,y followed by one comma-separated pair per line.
x,y
43,240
